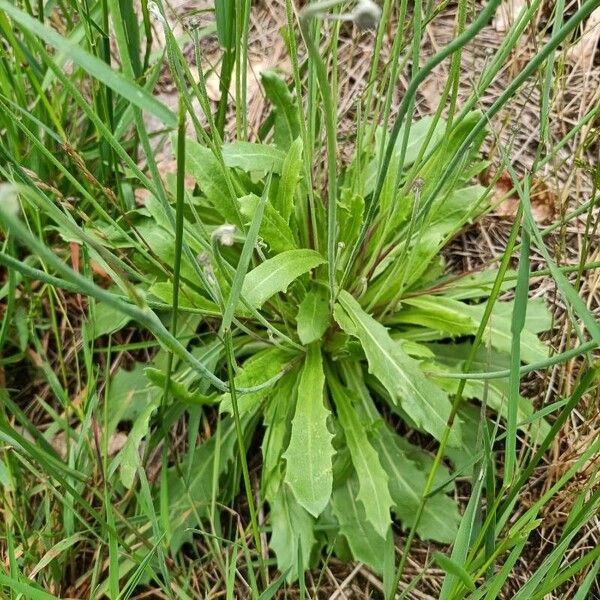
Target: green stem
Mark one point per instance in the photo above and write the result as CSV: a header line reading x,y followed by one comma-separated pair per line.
x,y
458,398
230,358
179,206
455,45
330,128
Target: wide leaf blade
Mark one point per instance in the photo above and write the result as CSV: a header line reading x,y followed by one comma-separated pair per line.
x,y
373,481
253,157
287,120
290,175
274,230
275,274
202,164
310,452
313,315
440,517
366,544
424,402
292,531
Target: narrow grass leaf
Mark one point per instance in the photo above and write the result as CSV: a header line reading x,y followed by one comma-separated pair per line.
x,y
453,568
94,66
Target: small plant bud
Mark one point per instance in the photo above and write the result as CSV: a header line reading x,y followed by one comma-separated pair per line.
x,y
366,14
155,12
418,184
225,234
204,259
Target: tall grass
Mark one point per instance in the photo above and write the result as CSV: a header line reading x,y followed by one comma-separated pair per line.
x,y
164,356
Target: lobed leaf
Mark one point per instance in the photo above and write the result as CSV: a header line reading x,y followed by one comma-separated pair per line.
x,y
290,175
310,452
292,532
366,544
499,334
440,518
259,368
274,230
287,121
372,478
425,403
202,164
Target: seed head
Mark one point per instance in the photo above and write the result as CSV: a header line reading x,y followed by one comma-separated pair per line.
x,y
225,234
366,14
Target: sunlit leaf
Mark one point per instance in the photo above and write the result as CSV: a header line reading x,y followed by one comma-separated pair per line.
x,y
275,274
426,404
310,452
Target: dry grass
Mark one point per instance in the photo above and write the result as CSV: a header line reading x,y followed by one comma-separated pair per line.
x,y
565,182
561,186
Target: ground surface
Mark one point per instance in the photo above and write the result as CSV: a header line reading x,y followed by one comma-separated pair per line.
x,y
562,185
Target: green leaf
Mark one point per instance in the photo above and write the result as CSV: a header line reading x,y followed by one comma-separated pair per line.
x,y
351,216
287,121
278,415
177,389
425,403
478,285
440,518
162,243
313,315
499,334
290,175
28,591
416,139
128,394
366,544
252,157
452,568
495,392
310,452
108,320
188,298
292,525
448,215
292,530
128,458
191,497
275,274
260,367
436,312
94,66
274,230
202,164
372,479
